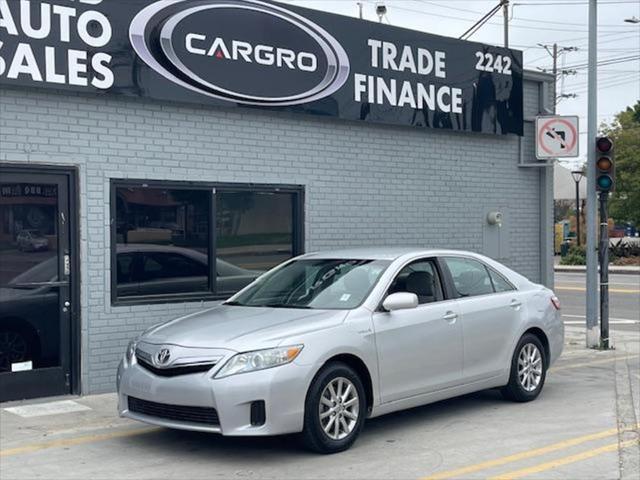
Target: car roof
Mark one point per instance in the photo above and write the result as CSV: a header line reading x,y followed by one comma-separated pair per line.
x,y
384,253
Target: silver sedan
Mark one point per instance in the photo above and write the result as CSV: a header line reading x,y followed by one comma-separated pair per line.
x,y
326,340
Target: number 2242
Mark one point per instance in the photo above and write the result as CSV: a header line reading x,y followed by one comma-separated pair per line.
x,y
488,63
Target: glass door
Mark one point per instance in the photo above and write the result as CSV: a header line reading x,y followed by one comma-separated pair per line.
x,y
35,281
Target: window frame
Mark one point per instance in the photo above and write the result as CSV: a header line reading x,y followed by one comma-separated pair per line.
x,y
451,285
436,270
298,232
493,271
441,271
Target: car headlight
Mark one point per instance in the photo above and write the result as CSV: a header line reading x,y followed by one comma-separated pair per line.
x,y
131,350
259,360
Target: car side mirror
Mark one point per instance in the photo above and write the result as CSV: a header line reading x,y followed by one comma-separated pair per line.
x,y
400,301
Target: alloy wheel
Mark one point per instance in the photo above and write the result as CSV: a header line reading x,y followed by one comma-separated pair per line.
x,y
13,348
339,408
530,367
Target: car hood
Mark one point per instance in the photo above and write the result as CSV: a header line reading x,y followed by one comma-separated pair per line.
x,y
242,328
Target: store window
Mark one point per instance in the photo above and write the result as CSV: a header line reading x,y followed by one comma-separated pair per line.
x,y
254,233
181,242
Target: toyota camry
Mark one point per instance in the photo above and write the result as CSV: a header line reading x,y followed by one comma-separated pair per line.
x,y
326,340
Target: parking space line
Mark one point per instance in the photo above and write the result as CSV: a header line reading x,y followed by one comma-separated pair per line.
x,y
594,362
69,442
522,455
543,467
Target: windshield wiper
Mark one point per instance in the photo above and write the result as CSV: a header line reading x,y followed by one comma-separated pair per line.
x,y
285,305
234,304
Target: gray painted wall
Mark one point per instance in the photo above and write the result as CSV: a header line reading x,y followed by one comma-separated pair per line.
x,y
365,185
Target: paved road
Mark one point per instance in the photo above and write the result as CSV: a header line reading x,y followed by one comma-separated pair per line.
x,y
624,299
583,426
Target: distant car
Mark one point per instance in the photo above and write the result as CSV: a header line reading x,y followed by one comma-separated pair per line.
x,y
29,329
328,339
31,241
29,307
144,269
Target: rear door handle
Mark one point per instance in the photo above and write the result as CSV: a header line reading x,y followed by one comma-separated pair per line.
x,y
450,317
515,304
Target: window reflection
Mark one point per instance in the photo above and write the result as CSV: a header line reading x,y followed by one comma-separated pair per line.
x,y
163,241
163,245
29,314
254,231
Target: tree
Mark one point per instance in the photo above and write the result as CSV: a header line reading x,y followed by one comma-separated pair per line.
x,y
625,133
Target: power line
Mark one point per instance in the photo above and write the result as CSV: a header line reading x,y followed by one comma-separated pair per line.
x,y
496,24
610,25
476,26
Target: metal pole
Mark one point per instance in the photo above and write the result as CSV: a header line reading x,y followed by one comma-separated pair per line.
x,y
604,271
505,11
360,9
578,211
591,244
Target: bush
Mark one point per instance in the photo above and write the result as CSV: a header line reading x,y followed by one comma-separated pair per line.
x,y
577,255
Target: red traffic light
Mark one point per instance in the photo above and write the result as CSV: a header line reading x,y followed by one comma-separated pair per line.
x,y
604,144
605,167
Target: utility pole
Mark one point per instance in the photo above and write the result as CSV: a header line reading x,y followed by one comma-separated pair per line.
x,y
591,214
554,51
555,72
505,11
604,271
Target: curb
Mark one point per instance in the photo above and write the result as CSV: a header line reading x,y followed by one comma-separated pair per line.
x,y
582,269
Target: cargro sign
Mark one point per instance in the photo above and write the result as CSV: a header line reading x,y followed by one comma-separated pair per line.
x,y
261,54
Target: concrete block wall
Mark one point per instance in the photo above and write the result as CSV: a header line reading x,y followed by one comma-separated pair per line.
x,y
365,184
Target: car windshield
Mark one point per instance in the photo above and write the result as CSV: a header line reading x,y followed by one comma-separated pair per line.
x,y
336,284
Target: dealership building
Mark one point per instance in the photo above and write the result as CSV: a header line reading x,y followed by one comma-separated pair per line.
x,y
155,157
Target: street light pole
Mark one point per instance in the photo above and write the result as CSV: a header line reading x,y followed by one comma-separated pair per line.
x,y
577,176
505,12
592,339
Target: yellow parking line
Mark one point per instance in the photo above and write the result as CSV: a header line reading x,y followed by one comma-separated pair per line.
x,y
522,455
69,442
612,290
543,467
588,364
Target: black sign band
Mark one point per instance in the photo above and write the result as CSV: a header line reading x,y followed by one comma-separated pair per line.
x,y
261,54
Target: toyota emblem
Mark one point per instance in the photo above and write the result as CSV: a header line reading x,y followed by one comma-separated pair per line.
x,y
162,357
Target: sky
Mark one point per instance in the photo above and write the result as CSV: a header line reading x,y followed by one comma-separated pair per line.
x,y
533,22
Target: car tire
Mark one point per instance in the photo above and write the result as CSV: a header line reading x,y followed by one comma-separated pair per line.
x,y
329,425
528,370
15,347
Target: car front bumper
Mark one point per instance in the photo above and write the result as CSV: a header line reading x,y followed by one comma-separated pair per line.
x,y
282,389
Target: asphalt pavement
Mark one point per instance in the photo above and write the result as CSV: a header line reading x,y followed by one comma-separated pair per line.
x,y
624,300
583,426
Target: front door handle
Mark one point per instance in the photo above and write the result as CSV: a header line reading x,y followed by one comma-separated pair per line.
x,y
450,317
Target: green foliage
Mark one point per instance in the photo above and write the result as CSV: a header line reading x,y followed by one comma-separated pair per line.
x,y
577,255
625,132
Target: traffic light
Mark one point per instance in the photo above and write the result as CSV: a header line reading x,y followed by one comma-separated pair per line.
x,y
605,168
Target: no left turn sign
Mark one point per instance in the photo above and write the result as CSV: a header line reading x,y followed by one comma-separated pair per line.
x,y
556,137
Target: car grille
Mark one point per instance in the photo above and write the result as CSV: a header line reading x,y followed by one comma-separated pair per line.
x,y
174,371
179,413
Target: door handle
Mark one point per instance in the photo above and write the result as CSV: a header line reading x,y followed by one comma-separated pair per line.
x,y
450,317
65,307
515,304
